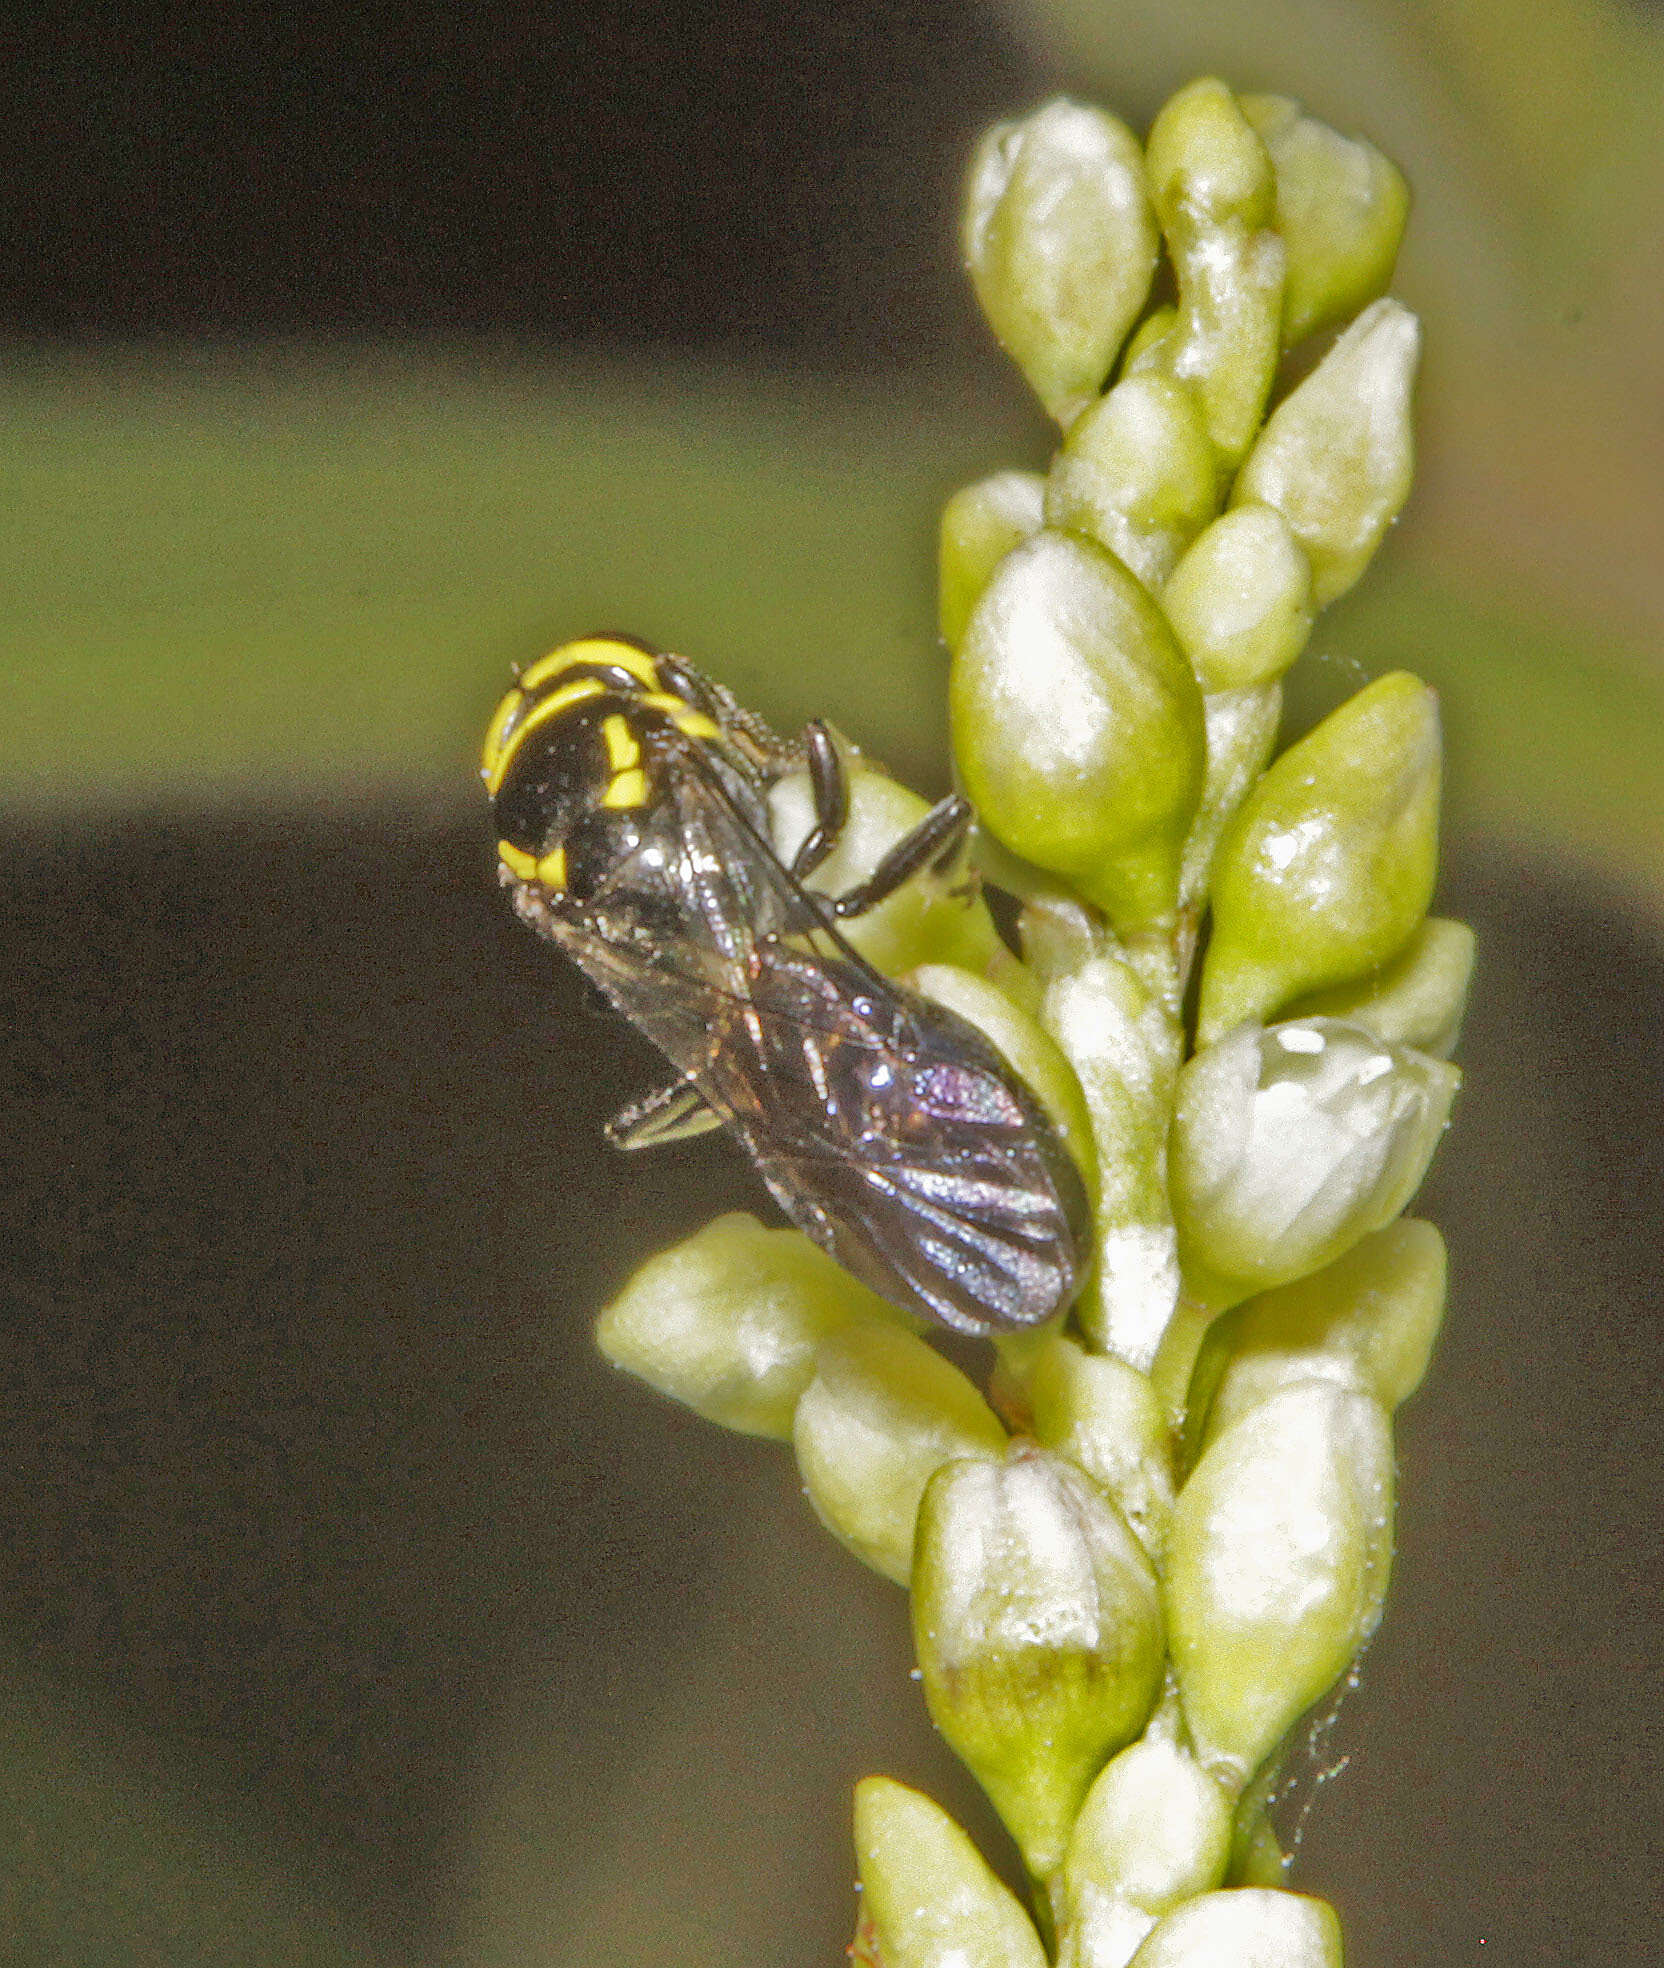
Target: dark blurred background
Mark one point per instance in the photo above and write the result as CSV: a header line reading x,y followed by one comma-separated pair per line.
x,y
350,1609
759,181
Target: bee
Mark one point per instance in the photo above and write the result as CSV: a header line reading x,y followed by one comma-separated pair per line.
x,y
631,802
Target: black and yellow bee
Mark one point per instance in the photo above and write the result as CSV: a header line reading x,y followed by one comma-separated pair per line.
x,y
631,802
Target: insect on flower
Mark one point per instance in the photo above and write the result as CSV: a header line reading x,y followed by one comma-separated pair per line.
x,y
631,802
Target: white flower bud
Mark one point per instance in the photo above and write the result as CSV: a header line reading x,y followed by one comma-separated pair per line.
x,y
1336,455
1291,1143
1037,1622
981,523
1252,1927
882,1414
1240,600
1277,1567
727,1322
1104,1416
1155,1830
1416,1000
1137,474
929,1899
1366,1322
1061,243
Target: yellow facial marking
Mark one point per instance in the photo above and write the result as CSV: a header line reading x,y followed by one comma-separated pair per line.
x,y
551,870
540,714
627,789
622,749
591,649
521,865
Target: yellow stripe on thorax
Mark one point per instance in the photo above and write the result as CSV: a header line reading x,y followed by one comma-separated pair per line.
x,y
539,714
626,790
628,784
682,714
622,749
496,732
591,649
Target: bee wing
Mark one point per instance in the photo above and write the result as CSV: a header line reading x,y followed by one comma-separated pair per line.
x,y
886,1127
953,1196
742,891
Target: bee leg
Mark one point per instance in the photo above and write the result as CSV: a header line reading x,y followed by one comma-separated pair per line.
x,y
681,677
672,1113
830,785
933,843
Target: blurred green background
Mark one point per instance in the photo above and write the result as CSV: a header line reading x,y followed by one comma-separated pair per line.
x,y
348,1610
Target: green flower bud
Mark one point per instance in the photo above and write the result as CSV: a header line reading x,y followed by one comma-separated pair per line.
x,y
727,1322
1061,244
1154,1831
928,1896
1367,1322
1242,734
1277,1567
981,523
1257,1856
1144,350
935,917
1341,211
1240,601
1336,455
1117,1029
882,1414
1215,194
1038,1629
1104,1417
1136,474
1249,1927
1327,870
1207,167
1290,1144
1417,1000
1030,1049
1078,725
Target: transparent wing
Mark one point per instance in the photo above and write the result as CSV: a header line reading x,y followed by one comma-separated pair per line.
x,y
683,933
886,1127
952,1194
